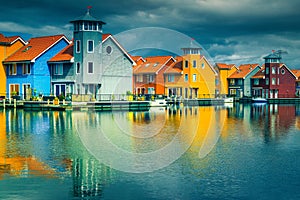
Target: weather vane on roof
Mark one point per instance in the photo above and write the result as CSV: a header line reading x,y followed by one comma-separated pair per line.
x,y
89,8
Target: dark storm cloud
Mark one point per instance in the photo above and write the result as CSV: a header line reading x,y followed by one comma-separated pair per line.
x,y
230,30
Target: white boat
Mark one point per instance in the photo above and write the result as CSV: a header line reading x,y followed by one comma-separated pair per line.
x,y
158,103
228,100
259,100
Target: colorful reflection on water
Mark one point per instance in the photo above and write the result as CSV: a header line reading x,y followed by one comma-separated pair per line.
x,y
241,152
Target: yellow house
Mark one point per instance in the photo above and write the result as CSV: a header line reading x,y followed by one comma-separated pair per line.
x,y
224,71
8,46
192,76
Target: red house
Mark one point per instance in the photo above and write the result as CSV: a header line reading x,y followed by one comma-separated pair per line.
x,y
274,80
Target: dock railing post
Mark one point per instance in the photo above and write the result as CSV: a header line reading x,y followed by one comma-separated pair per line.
x,y
15,103
4,103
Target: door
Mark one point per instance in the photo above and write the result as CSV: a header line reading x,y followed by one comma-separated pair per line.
x,y
276,94
59,89
26,91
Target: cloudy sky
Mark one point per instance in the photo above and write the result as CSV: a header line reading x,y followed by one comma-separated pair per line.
x,y
230,31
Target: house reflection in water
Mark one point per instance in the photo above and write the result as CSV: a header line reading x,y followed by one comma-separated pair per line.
x,y
271,121
14,160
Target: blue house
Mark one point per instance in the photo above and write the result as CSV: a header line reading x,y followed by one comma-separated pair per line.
x,y
27,70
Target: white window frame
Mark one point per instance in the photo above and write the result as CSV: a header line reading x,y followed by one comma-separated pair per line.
x,y
88,46
88,67
194,77
273,70
58,69
171,78
78,68
186,77
12,69
26,68
273,81
151,78
78,47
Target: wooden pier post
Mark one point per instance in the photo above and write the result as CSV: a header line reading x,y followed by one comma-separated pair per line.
x,y
4,103
15,103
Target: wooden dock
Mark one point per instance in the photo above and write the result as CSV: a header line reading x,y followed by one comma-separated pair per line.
x,y
82,106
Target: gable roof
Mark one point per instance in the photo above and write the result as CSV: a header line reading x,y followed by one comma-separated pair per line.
x,y
225,66
35,48
243,71
10,40
291,71
153,64
64,55
211,67
107,36
176,67
260,74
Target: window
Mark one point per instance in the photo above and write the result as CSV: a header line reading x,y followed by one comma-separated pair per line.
x,y
256,81
58,69
233,92
282,71
267,81
12,69
194,77
90,46
186,64
90,67
202,65
171,78
77,46
273,70
139,78
267,70
78,68
108,49
85,25
151,90
14,89
232,82
273,81
278,81
26,68
186,77
194,63
151,78
240,82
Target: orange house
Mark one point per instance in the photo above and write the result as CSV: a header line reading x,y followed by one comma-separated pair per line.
x,y
192,76
8,46
224,72
148,76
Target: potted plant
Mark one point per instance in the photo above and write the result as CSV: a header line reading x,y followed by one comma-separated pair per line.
x,y
56,101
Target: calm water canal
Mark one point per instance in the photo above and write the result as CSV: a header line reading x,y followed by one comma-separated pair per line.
x,y
239,152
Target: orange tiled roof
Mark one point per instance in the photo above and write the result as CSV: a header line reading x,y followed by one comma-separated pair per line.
x,y
34,48
243,70
225,66
152,65
8,40
175,68
105,36
296,72
64,55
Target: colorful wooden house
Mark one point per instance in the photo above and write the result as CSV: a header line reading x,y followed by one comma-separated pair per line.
x,y
275,79
224,72
192,76
240,81
174,79
27,70
8,46
148,77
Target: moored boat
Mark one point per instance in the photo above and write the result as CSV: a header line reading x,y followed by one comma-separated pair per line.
x,y
259,100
